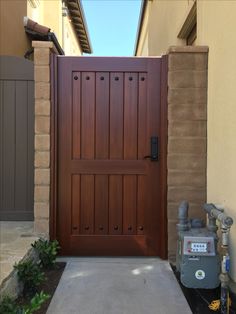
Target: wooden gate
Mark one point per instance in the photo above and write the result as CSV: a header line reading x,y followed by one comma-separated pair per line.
x,y
111,156
16,138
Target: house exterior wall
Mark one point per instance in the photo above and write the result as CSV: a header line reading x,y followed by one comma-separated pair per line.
x,y
13,40
215,31
49,13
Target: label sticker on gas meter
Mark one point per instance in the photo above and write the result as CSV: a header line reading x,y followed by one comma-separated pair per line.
x,y
200,274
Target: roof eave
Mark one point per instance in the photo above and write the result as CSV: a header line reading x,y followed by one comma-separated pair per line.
x,y
140,23
79,22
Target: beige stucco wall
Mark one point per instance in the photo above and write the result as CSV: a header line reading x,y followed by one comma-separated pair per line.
x,y
13,40
216,22
161,25
49,13
217,31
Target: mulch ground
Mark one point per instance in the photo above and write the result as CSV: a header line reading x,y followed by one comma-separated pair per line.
x,y
48,286
199,299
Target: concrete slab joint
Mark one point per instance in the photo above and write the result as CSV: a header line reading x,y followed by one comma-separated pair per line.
x,y
187,136
42,51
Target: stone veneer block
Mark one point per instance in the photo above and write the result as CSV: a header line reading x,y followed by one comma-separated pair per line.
x,y
42,107
181,161
185,178
187,128
41,193
41,56
187,61
41,210
187,112
187,79
190,193
42,73
42,90
42,159
188,95
187,145
42,142
41,226
42,176
42,125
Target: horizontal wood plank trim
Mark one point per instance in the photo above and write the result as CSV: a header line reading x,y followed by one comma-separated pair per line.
x,y
109,167
104,64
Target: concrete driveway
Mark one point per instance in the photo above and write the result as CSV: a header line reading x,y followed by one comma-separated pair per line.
x,y
118,286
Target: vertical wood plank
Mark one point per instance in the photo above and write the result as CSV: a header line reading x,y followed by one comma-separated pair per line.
x,y
130,152
130,204
75,215
115,204
9,145
30,152
101,204
87,115
142,208
116,151
102,115
116,115
143,140
21,143
130,116
87,204
1,145
76,114
143,150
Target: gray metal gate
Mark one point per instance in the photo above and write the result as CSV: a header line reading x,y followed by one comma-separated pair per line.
x,y
16,138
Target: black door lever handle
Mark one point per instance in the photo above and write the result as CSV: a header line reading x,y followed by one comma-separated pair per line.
x,y
154,149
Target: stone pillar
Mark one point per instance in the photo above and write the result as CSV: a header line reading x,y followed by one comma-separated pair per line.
x,y
187,134
42,51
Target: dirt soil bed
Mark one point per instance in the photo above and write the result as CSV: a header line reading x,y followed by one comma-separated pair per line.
x,y
48,286
199,299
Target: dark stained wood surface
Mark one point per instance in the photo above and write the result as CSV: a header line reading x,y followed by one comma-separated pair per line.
x,y
16,138
109,198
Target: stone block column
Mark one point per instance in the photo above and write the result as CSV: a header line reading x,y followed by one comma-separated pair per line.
x,y
187,134
42,51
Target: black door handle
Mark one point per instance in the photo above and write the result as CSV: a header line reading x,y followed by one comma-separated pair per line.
x,y
154,149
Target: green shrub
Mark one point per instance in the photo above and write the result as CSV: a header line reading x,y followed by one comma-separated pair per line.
x,y
35,303
30,274
9,306
47,251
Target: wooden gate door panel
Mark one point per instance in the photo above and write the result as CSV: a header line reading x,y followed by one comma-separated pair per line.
x,y
109,195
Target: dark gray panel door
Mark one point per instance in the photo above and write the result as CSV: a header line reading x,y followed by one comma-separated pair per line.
x,y
16,139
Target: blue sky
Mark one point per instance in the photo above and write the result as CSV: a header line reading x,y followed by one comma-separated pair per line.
x,y
112,26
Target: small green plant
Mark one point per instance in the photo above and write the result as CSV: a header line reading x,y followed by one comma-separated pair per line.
x,y
31,275
8,306
47,251
36,303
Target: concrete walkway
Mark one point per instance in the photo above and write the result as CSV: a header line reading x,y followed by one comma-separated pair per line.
x,y
118,286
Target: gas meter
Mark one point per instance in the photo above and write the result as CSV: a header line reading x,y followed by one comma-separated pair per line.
x,y
197,258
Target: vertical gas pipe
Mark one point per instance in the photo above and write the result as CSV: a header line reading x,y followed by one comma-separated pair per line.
x,y
226,222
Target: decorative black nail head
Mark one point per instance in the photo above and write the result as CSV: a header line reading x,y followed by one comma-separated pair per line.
x,y
76,77
87,78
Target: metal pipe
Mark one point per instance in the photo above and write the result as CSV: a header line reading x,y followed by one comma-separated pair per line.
x,y
226,223
183,224
217,213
